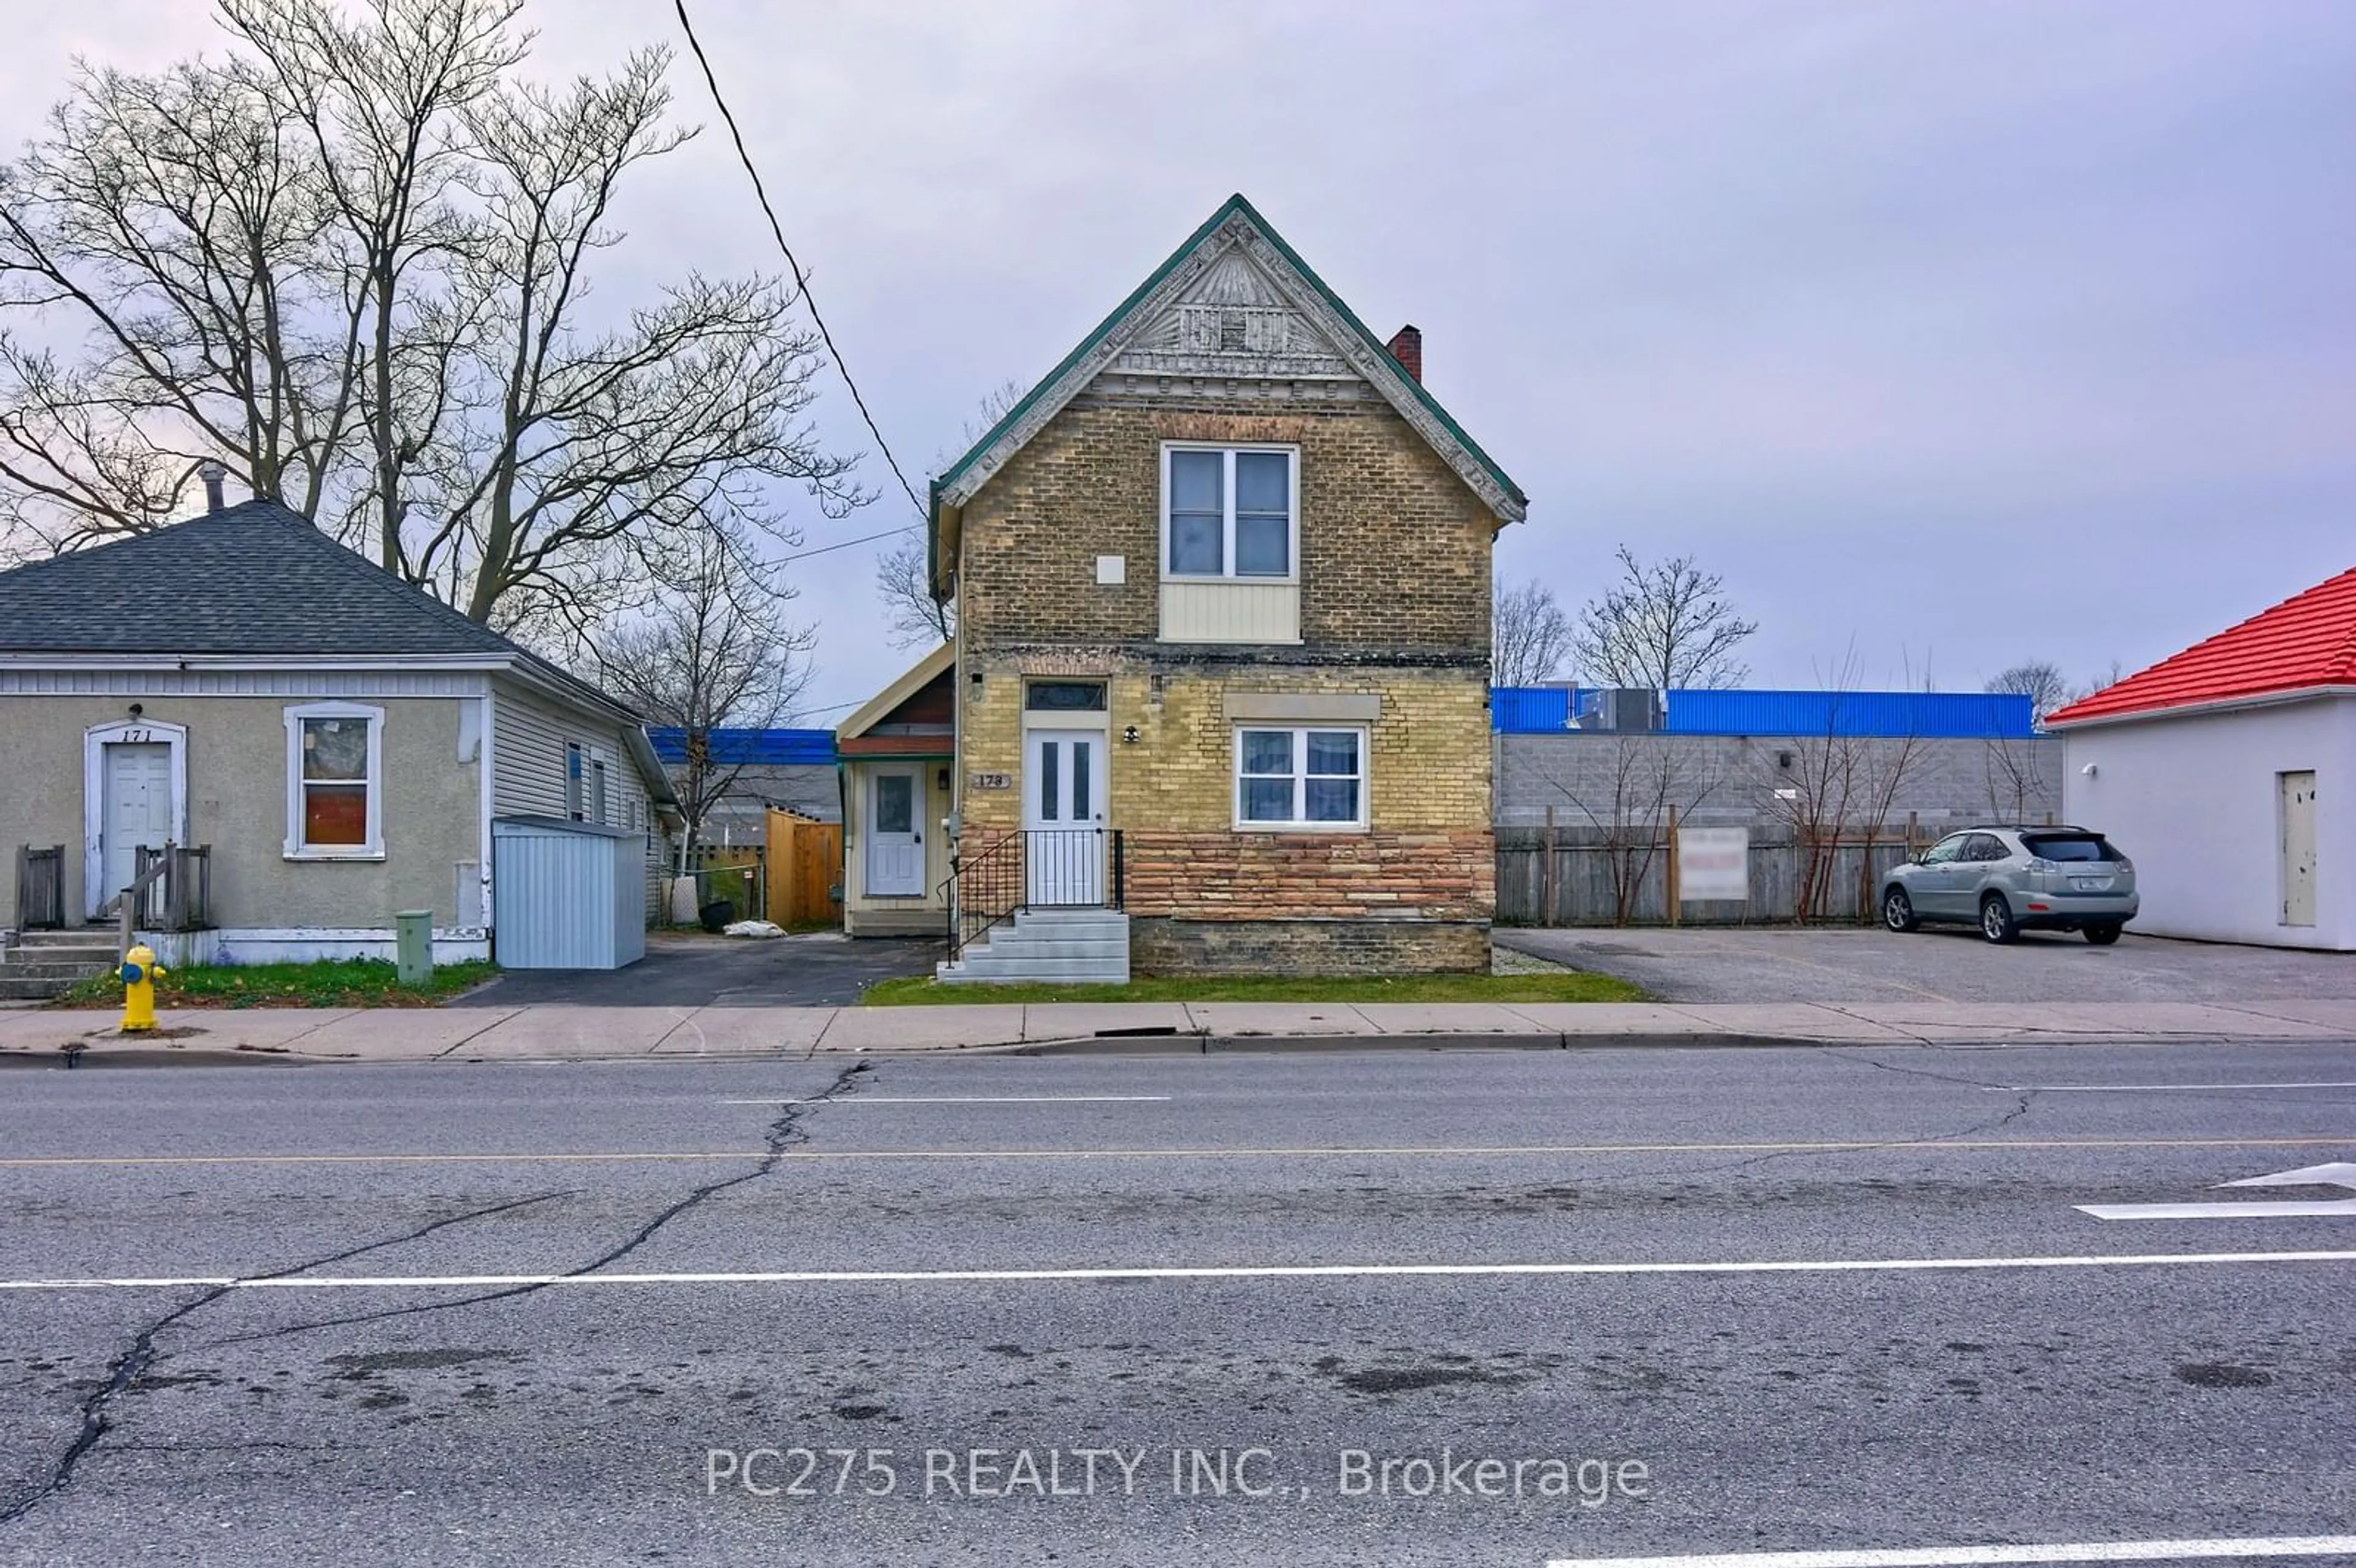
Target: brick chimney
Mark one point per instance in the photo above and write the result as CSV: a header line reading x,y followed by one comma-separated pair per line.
x,y
214,476
1406,348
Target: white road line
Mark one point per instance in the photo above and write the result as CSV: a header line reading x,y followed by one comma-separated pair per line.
x,y
1942,1556
963,1100
2145,1088
1240,1271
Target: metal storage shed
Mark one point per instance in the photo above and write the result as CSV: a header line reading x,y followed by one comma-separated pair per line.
x,y
566,895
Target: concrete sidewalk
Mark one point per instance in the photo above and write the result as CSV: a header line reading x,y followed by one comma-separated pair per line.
x,y
556,1032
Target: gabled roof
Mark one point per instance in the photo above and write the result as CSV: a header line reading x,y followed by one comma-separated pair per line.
x,y
254,578
918,676
2306,641
1237,225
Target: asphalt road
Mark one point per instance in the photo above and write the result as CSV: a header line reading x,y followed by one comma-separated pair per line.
x,y
1098,1262
1937,963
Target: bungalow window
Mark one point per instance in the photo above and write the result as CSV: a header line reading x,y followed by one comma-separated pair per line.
x,y
334,781
584,783
1228,512
1300,778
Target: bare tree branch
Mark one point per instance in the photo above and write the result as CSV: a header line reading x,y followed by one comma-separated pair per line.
x,y
1665,625
1530,636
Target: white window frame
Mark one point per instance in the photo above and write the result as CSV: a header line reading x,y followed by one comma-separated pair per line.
x,y
1300,775
1228,573
296,849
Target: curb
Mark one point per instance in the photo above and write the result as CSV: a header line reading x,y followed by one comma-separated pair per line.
x,y
1312,1044
152,1056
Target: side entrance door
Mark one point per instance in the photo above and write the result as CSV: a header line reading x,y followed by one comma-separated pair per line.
x,y
1063,817
137,810
896,838
2297,848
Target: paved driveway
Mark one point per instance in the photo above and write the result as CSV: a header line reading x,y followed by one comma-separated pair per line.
x,y
1787,964
824,969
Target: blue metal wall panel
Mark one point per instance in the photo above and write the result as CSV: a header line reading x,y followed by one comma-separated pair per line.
x,y
1926,715
759,748
1530,709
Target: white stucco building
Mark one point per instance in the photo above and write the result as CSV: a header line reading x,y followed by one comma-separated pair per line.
x,y
2228,774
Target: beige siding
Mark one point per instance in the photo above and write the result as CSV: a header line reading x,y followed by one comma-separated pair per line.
x,y
529,735
1230,611
925,915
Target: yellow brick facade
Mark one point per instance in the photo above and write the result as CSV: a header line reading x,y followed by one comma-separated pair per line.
x,y
1393,555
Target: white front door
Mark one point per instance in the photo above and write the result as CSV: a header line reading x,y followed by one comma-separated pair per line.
x,y
1063,816
138,807
895,833
2297,847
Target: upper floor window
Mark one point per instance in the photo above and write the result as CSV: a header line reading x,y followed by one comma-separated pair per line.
x,y
1229,511
584,783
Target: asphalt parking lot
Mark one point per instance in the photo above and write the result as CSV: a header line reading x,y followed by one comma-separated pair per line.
x,y
1783,963
818,969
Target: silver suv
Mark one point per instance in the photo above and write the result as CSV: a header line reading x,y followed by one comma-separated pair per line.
x,y
2010,880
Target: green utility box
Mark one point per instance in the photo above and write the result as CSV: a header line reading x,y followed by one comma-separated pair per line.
x,y
414,944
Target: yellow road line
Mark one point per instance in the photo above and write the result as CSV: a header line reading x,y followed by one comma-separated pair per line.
x,y
1401,1152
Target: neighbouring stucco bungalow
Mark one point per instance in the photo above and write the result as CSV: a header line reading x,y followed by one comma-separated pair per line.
x,y
341,746
2226,773
1222,654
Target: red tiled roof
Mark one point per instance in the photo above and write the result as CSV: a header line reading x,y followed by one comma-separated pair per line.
x,y
2308,640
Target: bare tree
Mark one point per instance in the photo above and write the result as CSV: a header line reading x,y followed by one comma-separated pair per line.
x,y
2014,778
2037,679
903,570
1665,624
1530,636
1839,793
712,651
1647,779
354,261
916,617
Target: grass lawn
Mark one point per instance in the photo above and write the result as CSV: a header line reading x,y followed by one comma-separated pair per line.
x,y
1555,986
334,983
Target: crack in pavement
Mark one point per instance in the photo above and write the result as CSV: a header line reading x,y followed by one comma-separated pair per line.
x,y
128,1368
784,1133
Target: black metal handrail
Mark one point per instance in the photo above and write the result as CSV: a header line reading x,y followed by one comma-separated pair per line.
x,y
1036,868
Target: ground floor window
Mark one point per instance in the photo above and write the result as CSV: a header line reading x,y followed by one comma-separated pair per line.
x,y
335,779
1300,778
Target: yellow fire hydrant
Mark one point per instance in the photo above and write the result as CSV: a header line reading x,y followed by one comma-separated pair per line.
x,y
139,972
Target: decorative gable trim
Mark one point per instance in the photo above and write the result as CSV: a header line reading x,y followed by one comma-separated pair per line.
x,y
1234,300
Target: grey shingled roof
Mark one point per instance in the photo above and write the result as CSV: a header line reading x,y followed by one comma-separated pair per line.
x,y
253,579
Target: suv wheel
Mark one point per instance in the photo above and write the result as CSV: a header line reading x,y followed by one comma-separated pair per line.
x,y
1996,918
1897,910
2103,934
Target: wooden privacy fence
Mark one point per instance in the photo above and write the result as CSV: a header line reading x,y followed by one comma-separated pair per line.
x,y
805,859
1581,876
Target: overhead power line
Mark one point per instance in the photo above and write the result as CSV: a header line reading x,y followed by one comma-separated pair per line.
x,y
846,544
802,279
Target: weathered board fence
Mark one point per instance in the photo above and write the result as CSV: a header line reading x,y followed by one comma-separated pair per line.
x,y
1589,876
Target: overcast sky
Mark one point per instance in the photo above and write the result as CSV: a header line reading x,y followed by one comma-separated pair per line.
x,y
1959,334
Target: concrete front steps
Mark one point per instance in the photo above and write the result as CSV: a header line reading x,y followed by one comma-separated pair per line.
x,y
39,965
1074,945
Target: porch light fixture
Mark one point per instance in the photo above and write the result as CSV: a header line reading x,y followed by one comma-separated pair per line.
x,y
1129,735
137,708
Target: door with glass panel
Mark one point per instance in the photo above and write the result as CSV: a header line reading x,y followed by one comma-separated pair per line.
x,y
1063,817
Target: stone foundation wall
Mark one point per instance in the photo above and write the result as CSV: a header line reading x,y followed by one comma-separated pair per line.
x,y
1163,946
1312,876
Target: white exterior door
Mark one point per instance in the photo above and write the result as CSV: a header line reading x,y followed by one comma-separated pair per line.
x,y
1063,816
2297,847
895,833
138,807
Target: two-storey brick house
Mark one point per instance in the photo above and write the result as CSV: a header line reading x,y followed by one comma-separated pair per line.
x,y
1223,592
